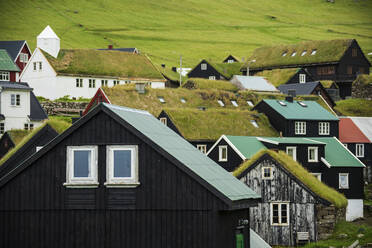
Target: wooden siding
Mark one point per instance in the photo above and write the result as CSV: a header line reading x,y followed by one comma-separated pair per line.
x,y
233,159
295,79
6,144
210,71
20,64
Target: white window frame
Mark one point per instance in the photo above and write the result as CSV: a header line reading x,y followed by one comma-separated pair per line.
x,y
40,66
359,150
339,180
4,76
122,182
203,66
212,78
315,148
263,172
29,126
300,127
81,182
79,82
163,120
17,100
279,213
2,127
229,61
116,82
302,78
92,83
220,149
104,82
324,128
34,66
202,148
317,175
294,151
38,148
234,103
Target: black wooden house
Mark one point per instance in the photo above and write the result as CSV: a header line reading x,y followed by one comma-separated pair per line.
x,y
230,59
215,71
119,178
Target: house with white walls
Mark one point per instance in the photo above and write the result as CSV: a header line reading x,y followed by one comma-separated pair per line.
x,y
53,72
19,108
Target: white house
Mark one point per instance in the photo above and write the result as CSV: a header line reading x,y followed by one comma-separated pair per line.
x,y
48,41
79,72
19,108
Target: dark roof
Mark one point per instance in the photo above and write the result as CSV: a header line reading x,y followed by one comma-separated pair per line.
x,y
14,85
12,46
2,117
37,112
124,49
301,89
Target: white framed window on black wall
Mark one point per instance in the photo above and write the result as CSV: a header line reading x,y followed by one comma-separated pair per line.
x,y
222,153
122,166
279,213
312,154
323,128
203,66
343,180
359,150
292,152
202,148
300,127
163,120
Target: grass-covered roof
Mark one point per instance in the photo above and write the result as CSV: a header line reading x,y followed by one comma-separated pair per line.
x,y
227,69
17,135
278,76
58,125
202,83
354,107
327,51
210,124
104,63
297,170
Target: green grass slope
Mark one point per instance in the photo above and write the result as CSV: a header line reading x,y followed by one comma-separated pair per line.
x,y
195,28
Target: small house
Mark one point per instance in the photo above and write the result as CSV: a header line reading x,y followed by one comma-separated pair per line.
x,y
214,71
286,76
299,118
123,49
19,52
230,59
253,83
9,71
10,139
119,177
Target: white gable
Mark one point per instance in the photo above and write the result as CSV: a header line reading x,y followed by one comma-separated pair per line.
x,y
48,41
48,33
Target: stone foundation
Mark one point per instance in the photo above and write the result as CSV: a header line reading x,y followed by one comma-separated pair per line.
x,y
63,108
326,219
362,87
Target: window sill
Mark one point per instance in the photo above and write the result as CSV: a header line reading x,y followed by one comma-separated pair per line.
x,y
280,224
81,185
122,185
313,161
222,160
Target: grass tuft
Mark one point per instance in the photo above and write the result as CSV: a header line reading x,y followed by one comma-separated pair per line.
x,y
354,107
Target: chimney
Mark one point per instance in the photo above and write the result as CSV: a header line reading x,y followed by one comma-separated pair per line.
x,y
110,47
163,65
292,93
289,98
174,69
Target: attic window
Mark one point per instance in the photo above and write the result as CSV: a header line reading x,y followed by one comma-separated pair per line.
x,y
302,104
233,102
313,52
250,103
161,99
303,53
183,100
282,103
221,103
294,54
203,66
284,54
254,123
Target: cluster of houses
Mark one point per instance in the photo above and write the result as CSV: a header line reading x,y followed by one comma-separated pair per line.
x,y
150,165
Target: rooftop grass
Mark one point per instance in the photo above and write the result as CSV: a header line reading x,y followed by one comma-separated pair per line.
x,y
354,107
201,83
17,135
104,63
363,79
326,51
319,188
228,69
327,83
170,74
58,125
210,124
278,76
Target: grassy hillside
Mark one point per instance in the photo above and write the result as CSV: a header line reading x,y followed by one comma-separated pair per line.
x,y
194,28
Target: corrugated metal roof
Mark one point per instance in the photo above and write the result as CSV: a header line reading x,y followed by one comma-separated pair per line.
x,y
294,111
350,133
253,83
185,153
13,47
290,140
301,89
365,125
247,145
6,62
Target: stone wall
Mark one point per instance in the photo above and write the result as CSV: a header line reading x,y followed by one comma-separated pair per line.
x,y
63,108
362,87
327,216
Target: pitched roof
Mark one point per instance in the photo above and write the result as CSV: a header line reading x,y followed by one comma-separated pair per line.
x,y
301,89
294,111
103,63
278,76
364,124
14,86
350,133
327,51
210,124
48,33
245,146
227,69
13,47
252,83
337,155
37,112
124,49
6,62
289,140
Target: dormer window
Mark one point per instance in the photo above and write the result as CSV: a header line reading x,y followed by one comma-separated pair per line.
x,y
221,103
294,54
230,61
302,104
4,76
303,53
313,52
203,66
302,78
284,54
312,154
282,103
222,153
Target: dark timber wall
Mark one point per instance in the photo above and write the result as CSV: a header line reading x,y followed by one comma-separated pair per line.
x,y
210,71
233,159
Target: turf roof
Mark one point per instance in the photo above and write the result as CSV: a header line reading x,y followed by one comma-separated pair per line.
x,y
210,124
103,63
327,51
227,69
317,187
278,76
202,83
17,135
6,63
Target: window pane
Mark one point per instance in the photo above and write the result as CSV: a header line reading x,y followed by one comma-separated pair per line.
x,y
275,213
81,163
122,163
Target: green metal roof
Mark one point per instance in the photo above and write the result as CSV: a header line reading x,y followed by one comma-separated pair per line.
x,y
185,153
337,155
294,111
247,145
291,140
6,63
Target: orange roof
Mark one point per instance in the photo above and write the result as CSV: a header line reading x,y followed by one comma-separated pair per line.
x,y
350,133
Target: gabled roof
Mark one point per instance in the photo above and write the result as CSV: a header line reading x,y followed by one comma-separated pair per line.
x,y
279,76
94,62
301,89
365,125
337,155
289,140
253,83
227,70
6,62
14,86
350,133
48,33
327,51
13,47
169,144
210,124
230,56
294,111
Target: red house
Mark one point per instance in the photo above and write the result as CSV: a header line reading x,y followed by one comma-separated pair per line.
x,y
19,52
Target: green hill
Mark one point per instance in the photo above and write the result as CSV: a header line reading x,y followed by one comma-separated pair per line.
x,y
194,28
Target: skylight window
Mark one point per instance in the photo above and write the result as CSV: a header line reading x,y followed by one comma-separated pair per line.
x,y
313,52
284,54
303,53
282,103
254,123
233,102
183,100
250,103
221,103
302,104
294,54
161,99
